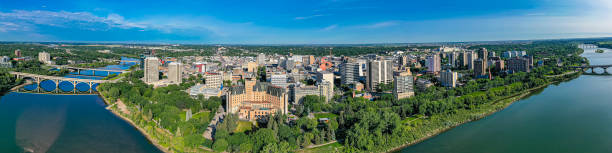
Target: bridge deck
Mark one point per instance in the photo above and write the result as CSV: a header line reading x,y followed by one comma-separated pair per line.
x,y
60,78
94,69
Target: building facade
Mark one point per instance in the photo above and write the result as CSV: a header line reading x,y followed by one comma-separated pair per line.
x,y
350,73
433,64
403,85
256,100
175,72
213,80
151,70
379,71
518,65
44,57
448,78
480,67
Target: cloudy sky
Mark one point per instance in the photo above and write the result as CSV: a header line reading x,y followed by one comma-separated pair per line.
x,y
301,21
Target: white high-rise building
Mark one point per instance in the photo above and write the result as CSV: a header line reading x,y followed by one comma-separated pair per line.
x,y
261,59
433,64
151,70
379,71
175,72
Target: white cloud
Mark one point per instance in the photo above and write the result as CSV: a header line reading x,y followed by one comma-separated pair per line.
x,y
380,24
85,20
308,17
331,27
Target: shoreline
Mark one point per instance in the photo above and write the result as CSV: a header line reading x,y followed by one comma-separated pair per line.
x,y
513,98
129,121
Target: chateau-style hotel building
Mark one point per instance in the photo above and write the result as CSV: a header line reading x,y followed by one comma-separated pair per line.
x,y
256,99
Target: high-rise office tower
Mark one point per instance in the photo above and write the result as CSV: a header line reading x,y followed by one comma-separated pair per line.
x,y
151,70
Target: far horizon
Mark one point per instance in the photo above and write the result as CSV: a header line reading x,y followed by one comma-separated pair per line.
x,y
312,22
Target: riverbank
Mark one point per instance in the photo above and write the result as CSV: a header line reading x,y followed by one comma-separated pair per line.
x,y
482,112
142,131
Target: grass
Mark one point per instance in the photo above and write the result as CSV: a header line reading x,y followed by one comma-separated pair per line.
x,y
200,115
326,148
325,115
244,126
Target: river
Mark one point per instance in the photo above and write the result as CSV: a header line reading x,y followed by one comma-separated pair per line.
x,y
64,124
570,117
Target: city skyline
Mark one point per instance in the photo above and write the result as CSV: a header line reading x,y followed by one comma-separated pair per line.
x,y
307,22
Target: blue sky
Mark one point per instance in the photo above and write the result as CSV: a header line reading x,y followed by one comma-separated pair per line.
x,y
301,21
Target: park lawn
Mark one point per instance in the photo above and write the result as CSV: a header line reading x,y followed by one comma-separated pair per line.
x,y
243,126
201,115
325,115
183,115
326,148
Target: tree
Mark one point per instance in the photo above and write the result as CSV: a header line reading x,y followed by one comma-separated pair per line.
x,y
220,145
262,137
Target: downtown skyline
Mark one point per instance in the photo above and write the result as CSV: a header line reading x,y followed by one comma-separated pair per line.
x,y
303,22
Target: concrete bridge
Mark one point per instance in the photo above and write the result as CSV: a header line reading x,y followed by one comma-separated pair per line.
x,y
94,70
592,67
587,46
91,84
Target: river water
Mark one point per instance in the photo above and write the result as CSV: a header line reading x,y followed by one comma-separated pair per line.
x,y
571,117
65,124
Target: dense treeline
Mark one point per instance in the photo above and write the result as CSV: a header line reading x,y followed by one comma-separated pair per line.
x,y
7,81
36,67
165,108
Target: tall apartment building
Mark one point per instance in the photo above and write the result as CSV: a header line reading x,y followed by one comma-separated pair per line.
x,y
480,67
448,78
44,57
350,73
175,72
325,80
433,64
151,70
326,89
261,59
462,60
403,85
256,100
471,57
483,54
452,58
518,65
379,71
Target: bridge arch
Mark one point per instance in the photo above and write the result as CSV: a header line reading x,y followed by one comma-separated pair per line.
x,y
66,86
47,85
82,87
